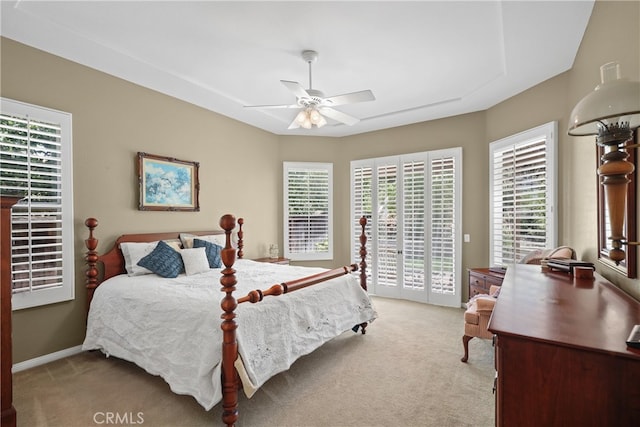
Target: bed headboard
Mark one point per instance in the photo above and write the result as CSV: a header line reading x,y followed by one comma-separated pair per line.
x,y
113,261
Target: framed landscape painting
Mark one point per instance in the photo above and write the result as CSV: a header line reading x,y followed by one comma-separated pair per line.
x,y
167,184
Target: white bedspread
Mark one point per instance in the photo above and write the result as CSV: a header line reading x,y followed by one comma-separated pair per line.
x,y
171,327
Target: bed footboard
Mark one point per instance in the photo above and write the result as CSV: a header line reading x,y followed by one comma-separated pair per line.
x,y
230,378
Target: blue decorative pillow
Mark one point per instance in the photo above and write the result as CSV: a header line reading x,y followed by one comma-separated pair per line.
x,y
212,250
163,260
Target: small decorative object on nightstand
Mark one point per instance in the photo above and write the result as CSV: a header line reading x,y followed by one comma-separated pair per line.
x,y
276,260
273,250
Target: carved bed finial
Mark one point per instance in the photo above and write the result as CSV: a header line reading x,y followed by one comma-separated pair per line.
x,y
240,236
230,380
92,260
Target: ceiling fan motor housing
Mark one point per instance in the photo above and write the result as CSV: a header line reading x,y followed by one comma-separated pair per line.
x,y
315,98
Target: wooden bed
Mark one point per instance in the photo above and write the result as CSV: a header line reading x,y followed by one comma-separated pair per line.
x,y
113,264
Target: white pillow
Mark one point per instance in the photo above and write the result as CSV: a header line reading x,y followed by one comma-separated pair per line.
x,y
195,260
218,239
133,252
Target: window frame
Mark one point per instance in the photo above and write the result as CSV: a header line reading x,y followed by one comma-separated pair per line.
x,y
66,291
547,132
309,167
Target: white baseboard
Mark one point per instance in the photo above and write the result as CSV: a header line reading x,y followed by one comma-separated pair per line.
x,y
32,363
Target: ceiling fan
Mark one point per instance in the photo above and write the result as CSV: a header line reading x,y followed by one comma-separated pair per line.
x,y
314,106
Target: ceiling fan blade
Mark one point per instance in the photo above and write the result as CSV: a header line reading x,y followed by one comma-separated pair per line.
x,y
296,88
294,124
272,106
349,98
339,116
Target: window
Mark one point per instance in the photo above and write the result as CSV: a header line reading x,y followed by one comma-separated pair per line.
x,y
522,194
308,211
36,163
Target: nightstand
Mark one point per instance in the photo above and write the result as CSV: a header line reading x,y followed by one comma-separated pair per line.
x,y
279,260
481,279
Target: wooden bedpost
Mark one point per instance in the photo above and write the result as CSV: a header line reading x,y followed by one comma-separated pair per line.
x,y
363,264
230,380
363,254
240,236
92,260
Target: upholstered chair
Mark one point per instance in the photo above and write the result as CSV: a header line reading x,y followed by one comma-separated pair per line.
x,y
480,307
476,318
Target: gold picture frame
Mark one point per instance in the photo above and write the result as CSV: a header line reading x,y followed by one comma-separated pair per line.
x,y
167,184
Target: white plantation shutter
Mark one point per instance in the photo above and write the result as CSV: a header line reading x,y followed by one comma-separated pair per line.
x,y
414,201
35,163
522,194
361,196
443,221
308,211
413,232
387,225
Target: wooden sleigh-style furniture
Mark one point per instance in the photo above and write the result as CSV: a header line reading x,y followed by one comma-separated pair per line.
x,y
113,264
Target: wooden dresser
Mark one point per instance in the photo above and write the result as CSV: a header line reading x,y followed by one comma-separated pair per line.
x,y
8,411
561,357
481,279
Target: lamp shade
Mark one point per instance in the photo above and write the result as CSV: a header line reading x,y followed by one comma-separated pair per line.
x,y
615,100
307,118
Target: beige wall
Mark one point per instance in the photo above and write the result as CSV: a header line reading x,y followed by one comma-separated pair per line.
x,y
113,119
613,35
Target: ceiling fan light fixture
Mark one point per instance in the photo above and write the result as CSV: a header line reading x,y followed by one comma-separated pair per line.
x,y
306,123
301,117
314,116
309,117
321,122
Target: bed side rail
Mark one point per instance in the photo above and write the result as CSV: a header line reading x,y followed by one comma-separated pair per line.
x,y
293,285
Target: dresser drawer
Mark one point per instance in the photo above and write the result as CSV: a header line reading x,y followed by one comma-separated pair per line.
x,y
493,281
475,290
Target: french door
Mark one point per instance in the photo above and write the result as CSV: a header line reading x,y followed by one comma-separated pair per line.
x,y
412,203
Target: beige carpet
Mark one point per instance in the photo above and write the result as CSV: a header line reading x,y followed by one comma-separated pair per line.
x,y
405,371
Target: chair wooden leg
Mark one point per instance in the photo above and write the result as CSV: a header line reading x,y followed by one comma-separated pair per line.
x,y
465,344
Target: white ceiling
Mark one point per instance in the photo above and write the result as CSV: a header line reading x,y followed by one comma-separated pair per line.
x,y
423,60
